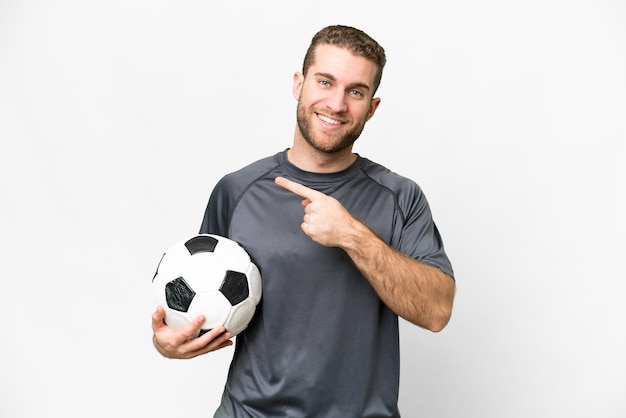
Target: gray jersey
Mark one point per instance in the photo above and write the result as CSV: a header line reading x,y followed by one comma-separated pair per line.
x,y
322,343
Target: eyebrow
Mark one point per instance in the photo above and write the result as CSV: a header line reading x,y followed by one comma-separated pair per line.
x,y
351,86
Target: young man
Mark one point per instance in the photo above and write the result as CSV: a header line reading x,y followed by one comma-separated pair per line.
x,y
344,247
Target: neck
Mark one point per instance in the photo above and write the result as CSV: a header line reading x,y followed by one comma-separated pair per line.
x,y
316,161
308,158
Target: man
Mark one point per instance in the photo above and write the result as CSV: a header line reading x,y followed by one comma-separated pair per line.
x,y
344,247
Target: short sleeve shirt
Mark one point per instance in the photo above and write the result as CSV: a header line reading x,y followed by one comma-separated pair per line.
x,y
322,343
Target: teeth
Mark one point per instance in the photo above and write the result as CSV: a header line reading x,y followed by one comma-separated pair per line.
x,y
329,120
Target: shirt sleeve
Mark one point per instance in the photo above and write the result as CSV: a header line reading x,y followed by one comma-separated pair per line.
x,y
419,236
217,213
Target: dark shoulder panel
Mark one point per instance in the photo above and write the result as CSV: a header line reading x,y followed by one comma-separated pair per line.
x,y
407,193
228,190
417,234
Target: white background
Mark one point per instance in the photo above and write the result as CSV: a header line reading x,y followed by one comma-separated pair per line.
x,y
117,118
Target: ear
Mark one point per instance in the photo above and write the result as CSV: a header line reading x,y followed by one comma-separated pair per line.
x,y
373,106
298,80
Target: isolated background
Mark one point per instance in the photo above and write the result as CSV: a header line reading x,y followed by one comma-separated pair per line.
x,y
117,118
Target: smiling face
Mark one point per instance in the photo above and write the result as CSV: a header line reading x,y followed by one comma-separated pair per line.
x,y
334,99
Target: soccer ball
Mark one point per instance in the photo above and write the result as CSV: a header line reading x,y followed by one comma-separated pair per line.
x,y
210,275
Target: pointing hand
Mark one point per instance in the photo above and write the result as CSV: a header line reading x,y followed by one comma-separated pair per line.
x,y
325,220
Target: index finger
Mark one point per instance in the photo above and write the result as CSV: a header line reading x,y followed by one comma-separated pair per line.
x,y
296,188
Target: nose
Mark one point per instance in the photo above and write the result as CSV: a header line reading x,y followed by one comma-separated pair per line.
x,y
336,101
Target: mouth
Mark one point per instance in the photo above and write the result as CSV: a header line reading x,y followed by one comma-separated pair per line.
x,y
328,120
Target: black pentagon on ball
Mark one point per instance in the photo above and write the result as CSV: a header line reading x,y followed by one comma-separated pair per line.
x,y
235,287
179,295
201,244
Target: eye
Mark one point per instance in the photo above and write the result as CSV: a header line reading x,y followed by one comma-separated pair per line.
x,y
356,93
324,83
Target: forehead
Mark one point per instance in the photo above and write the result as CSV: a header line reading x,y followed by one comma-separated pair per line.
x,y
343,65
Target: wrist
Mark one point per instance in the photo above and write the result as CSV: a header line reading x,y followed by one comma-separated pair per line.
x,y
358,238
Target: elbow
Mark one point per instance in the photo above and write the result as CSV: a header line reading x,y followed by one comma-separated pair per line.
x,y
439,318
442,314
440,321
439,324
435,322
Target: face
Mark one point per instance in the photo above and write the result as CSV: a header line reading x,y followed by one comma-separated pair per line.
x,y
335,99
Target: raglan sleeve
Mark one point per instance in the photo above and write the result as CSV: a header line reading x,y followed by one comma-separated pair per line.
x,y
420,237
217,211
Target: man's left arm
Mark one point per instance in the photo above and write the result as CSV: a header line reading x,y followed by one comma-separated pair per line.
x,y
418,292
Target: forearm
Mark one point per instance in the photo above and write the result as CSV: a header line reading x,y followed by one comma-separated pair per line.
x,y
418,292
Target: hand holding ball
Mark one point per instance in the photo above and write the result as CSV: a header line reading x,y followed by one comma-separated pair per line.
x,y
209,275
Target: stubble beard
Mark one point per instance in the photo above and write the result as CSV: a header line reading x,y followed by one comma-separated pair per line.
x,y
340,143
